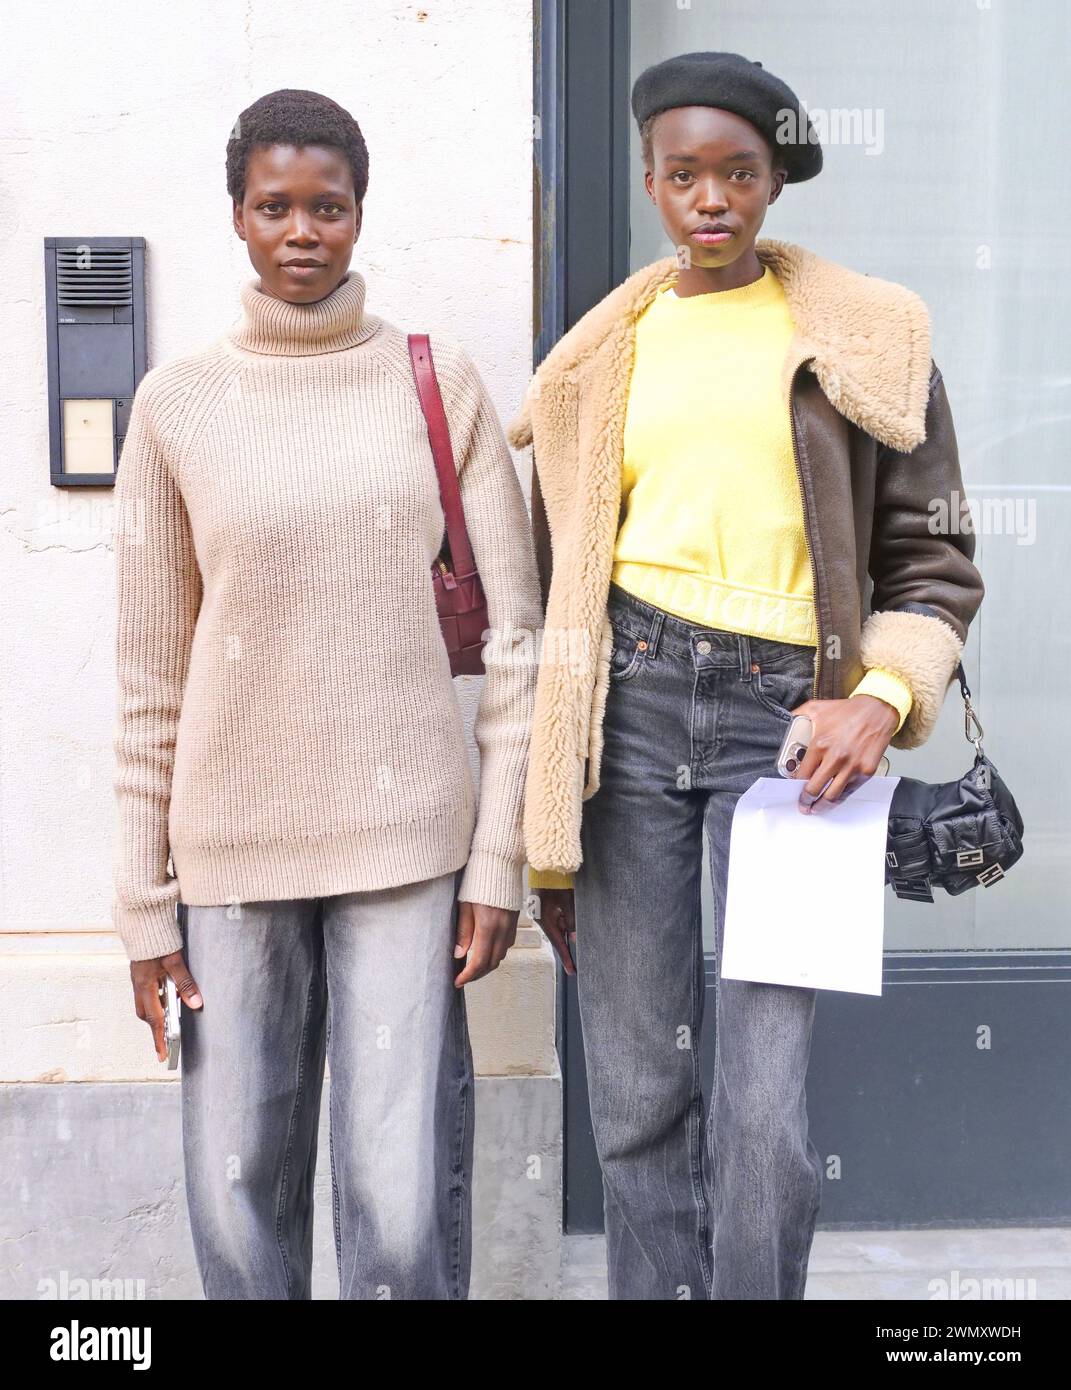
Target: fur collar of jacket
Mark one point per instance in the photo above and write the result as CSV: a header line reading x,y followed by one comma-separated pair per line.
x,y
867,339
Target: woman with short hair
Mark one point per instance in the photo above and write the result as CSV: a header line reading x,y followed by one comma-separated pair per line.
x,y
289,730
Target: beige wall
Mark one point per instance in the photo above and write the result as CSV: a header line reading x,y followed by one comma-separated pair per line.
x,y
116,124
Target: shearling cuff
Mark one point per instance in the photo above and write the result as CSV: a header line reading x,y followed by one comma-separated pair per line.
x,y
924,652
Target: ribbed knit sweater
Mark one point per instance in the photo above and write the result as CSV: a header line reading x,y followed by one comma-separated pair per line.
x,y
287,723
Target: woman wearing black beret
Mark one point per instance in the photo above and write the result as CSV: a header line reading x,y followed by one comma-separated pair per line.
x,y
726,447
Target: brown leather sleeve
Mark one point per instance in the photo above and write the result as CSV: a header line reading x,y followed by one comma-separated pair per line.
x,y
913,566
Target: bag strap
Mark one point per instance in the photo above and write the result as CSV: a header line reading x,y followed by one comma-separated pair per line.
x,y
970,715
431,402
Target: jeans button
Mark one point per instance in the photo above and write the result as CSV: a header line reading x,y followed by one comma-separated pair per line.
x,y
703,646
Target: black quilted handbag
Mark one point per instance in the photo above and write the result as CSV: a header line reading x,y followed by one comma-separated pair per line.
x,y
953,835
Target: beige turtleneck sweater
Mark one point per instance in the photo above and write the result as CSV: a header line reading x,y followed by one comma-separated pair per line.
x,y
287,724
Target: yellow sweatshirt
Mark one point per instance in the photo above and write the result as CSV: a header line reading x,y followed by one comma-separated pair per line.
x,y
712,523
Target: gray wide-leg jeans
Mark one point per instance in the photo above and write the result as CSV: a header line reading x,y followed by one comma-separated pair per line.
x,y
693,717
366,979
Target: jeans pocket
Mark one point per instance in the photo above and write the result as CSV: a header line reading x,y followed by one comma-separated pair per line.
x,y
782,690
627,656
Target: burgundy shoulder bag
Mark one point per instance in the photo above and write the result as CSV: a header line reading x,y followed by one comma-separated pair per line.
x,y
459,595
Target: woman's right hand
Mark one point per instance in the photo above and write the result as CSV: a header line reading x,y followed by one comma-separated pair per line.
x,y
147,976
557,916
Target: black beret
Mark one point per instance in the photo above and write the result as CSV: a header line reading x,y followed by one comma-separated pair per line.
x,y
734,83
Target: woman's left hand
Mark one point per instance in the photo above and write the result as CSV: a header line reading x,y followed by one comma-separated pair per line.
x,y
484,934
848,738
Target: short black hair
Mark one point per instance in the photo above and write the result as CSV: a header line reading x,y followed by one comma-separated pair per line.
x,y
294,117
647,144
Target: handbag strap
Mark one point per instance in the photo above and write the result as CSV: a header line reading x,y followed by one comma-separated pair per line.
x,y
431,402
970,714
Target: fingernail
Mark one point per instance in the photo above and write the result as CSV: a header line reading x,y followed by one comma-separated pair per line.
x,y
195,1001
459,950
806,799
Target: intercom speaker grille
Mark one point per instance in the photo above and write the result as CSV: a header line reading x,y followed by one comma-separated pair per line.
x,y
90,275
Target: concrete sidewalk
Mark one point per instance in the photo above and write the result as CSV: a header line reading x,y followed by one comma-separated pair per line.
x,y
1009,1263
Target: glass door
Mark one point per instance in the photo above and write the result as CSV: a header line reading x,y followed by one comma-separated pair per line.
x,y
935,1103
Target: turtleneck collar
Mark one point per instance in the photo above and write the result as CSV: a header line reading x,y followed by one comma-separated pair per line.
x,y
279,328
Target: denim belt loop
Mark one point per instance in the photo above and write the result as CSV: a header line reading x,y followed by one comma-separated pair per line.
x,y
743,646
654,634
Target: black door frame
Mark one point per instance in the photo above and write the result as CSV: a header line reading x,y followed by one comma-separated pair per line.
x,y
920,1124
582,239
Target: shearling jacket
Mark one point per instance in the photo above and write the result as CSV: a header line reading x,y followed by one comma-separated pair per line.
x,y
879,473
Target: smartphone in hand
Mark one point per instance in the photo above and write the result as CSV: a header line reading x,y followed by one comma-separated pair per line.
x,y
172,1027
794,747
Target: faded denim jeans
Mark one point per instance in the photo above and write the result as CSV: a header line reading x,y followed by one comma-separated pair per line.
x,y
366,979
693,717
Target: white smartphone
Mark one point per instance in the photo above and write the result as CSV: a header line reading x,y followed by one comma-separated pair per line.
x,y
794,748
172,1026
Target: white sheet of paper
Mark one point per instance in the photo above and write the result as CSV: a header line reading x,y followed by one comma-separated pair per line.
x,y
806,898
